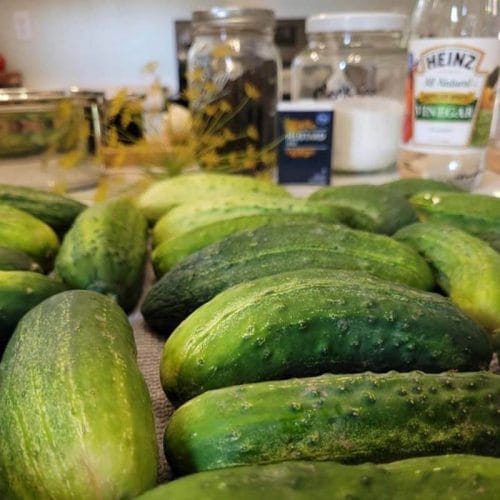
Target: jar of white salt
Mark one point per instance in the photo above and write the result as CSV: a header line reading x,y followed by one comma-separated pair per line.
x,y
359,61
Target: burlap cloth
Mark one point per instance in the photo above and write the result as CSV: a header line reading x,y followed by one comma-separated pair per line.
x,y
149,348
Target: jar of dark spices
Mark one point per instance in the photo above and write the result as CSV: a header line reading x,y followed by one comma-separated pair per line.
x,y
234,72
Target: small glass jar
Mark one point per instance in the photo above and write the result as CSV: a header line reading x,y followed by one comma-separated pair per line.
x,y
360,56
234,72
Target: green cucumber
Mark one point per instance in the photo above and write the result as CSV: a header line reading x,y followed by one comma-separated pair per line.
x,y
76,419
15,260
412,185
21,231
374,208
461,477
105,251
186,218
467,268
346,418
19,292
172,251
164,195
57,211
476,214
317,321
273,249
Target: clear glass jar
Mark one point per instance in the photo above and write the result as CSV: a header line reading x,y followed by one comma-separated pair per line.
x,y
452,82
234,79
362,57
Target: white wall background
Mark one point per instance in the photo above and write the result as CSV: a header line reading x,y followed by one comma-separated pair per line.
x,y
103,44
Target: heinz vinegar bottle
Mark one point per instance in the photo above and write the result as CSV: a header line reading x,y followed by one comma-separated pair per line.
x,y
452,83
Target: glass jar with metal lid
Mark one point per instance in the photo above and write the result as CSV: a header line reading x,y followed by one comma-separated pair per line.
x,y
50,139
350,54
359,61
234,72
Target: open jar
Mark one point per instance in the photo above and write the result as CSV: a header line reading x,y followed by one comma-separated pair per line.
x,y
358,60
234,72
50,139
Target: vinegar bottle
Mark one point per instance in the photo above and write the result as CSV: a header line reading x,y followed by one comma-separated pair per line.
x,y
452,82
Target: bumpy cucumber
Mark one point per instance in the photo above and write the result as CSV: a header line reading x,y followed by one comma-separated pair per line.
x,y
105,251
14,260
272,249
19,292
375,209
461,477
413,185
468,269
346,418
476,214
174,250
57,211
76,419
21,231
317,321
164,195
186,218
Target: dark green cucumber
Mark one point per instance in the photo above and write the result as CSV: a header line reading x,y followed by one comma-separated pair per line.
x,y
15,260
164,195
273,249
467,268
105,251
374,208
317,321
476,214
21,231
346,418
76,419
461,477
19,292
412,185
187,218
174,250
57,211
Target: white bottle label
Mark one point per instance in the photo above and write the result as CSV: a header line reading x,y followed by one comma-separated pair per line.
x,y
451,91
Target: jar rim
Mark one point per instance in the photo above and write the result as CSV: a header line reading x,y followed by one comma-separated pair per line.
x,y
237,17
356,21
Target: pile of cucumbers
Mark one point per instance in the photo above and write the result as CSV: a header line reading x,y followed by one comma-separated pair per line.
x,y
331,347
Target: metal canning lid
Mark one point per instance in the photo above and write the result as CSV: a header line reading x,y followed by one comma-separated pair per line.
x,y
356,21
237,17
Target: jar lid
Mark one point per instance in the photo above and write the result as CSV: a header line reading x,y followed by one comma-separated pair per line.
x,y
356,21
239,17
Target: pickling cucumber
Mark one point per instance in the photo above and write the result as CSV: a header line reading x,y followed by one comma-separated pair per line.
x,y
15,260
476,214
346,418
461,477
272,249
373,208
467,268
317,321
407,187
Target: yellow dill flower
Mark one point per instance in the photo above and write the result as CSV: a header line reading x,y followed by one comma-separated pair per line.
x,y
70,159
210,110
150,67
210,159
195,74
250,151
252,132
233,160
209,88
117,103
225,106
192,94
251,91
112,137
269,158
222,50
215,140
228,134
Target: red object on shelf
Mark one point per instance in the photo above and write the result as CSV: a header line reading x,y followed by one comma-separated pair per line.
x,y
3,63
